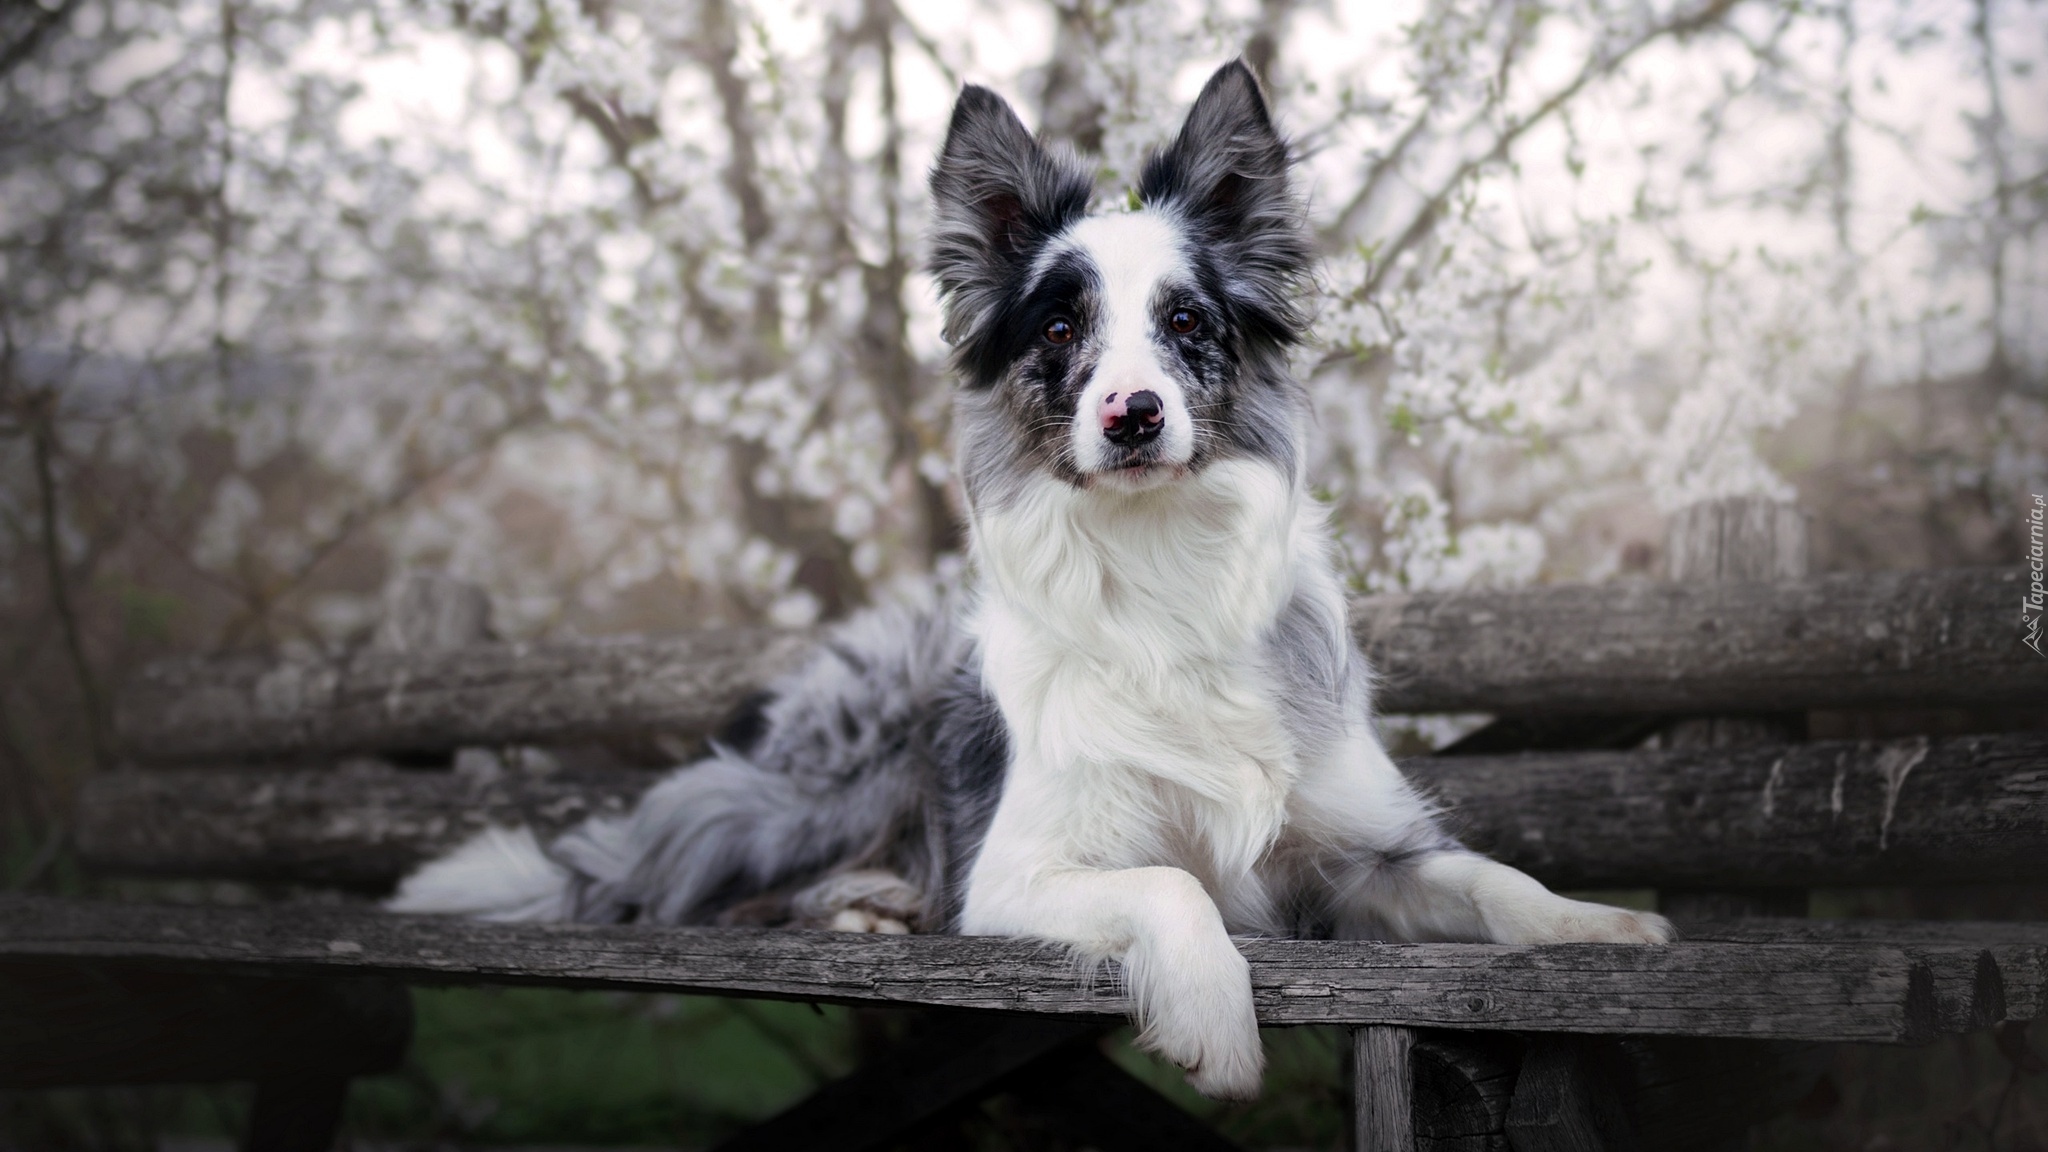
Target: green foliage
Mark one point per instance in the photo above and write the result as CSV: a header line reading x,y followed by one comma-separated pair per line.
x,y
538,1066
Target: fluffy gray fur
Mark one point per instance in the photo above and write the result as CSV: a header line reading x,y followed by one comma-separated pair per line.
x,y
840,775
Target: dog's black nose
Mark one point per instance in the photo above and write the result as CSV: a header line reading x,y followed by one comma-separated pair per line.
x,y
1131,420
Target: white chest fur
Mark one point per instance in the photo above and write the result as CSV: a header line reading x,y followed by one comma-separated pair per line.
x,y
1121,634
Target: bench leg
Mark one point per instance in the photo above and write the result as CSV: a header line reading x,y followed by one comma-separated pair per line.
x,y
1569,1099
1382,1089
296,1113
1102,1106
960,1058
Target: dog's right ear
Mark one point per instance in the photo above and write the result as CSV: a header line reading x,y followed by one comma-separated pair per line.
x,y
997,194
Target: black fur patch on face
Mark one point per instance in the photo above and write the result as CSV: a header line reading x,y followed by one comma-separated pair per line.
x,y
1232,372
1033,381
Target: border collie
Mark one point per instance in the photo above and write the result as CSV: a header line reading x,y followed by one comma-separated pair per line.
x,y
1147,728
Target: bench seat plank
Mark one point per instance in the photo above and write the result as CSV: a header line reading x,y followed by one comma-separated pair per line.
x,y
1844,990
1916,639
2018,948
1954,809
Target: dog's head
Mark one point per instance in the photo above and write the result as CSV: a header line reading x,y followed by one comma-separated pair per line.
x,y
1124,350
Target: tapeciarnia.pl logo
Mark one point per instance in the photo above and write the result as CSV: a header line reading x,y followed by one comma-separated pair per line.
x,y
2036,600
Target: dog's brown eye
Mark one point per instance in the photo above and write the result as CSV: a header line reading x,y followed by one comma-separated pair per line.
x,y
1183,321
1059,331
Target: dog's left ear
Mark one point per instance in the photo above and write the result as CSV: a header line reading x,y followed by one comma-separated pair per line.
x,y
1229,165
1225,177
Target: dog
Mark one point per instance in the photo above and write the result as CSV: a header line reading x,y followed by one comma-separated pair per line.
x,y
1146,727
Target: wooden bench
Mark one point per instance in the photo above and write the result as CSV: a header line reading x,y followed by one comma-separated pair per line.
x,y
298,772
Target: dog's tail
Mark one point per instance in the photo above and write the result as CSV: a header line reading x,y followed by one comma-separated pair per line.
x,y
828,769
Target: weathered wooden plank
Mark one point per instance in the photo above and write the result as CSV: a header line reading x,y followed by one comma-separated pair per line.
x,y
1464,1082
1382,1089
560,691
1925,638
1934,811
1568,1098
1678,1094
1922,811
364,826
1848,991
1733,540
2018,950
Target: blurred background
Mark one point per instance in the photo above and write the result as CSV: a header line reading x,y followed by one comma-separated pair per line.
x,y
617,309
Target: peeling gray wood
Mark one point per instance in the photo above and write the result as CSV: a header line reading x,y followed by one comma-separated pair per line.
x,y
1919,811
1382,1089
364,826
1927,639
1847,991
1922,811
1736,540
563,691
2019,951
1721,542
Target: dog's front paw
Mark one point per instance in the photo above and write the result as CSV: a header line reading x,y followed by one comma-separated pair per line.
x,y
1231,1072
1223,1058
1208,1027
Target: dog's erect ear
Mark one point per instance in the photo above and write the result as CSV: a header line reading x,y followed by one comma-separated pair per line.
x,y
994,179
997,195
1228,165
1225,175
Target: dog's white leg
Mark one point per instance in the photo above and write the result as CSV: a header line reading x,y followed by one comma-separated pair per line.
x,y
1393,873
1191,988
1459,895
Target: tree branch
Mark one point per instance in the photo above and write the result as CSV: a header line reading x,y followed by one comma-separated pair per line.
x,y
1602,64
41,437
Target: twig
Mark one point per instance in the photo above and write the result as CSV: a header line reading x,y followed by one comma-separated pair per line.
x,y
41,436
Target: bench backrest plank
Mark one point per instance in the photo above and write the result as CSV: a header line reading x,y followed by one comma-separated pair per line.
x,y
1945,810
1927,639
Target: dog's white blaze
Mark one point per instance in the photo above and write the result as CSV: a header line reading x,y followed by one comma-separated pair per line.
x,y
1121,635
1133,252
1150,765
